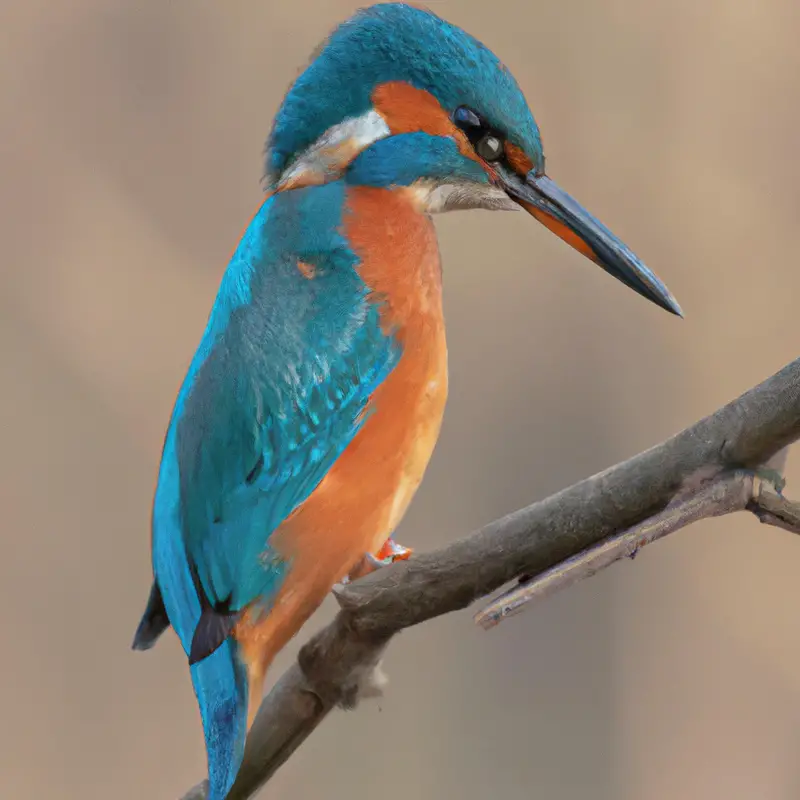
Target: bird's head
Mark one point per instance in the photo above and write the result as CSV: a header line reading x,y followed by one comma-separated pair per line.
x,y
397,97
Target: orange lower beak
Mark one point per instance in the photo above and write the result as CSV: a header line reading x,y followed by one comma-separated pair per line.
x,y
563,215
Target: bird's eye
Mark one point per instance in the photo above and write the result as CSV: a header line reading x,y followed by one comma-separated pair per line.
x,y
489,148
466,119
488,145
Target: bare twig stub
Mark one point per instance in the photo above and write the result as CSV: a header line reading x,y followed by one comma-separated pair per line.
x,y
711,468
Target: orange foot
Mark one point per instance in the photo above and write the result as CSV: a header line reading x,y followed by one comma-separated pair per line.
x,y
388,554
391,552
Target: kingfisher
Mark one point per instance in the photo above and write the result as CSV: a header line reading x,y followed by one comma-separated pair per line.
x,y
313,403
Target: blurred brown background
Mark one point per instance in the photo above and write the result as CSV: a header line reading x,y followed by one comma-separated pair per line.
x,y
130,159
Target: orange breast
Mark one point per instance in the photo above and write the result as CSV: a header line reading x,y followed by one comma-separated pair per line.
x,y
363,497
366,493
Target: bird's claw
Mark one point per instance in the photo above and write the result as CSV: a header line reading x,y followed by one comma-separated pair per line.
x,y
391,552
388,554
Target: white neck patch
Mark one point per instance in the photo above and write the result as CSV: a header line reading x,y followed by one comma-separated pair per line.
x,y
327,157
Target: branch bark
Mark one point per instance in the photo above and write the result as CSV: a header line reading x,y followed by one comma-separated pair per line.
x,y
716,466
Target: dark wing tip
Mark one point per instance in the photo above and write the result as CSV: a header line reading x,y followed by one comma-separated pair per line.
x,y
212,630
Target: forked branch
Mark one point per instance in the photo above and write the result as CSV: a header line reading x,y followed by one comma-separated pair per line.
x,y
724,463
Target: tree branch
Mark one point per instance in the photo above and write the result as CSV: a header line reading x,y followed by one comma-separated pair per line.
x,y
711,468
729,492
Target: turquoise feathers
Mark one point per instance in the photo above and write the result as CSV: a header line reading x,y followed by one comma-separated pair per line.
x,y
277,396
407,158
275,392
396,42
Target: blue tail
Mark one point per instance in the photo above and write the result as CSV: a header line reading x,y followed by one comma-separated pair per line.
x,y
220,680
220,684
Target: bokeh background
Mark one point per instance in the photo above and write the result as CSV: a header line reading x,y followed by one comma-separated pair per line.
x,y
130,158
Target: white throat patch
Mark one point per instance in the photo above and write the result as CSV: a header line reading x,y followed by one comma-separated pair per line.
x,y
436,198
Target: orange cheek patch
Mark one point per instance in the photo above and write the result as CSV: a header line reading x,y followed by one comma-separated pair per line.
x,y
562,231
516,157
406,109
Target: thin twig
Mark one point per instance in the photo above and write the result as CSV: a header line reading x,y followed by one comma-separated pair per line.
x,y
336,666
730,492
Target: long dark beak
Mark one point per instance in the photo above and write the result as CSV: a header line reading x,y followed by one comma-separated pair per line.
x,y
563,215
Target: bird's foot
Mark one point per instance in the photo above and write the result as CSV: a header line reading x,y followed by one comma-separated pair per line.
x,y
392,551
388,554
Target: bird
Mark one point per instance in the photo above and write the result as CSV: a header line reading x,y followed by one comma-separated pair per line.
x,y
312,405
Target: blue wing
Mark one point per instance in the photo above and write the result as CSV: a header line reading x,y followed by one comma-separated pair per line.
x,y
276,391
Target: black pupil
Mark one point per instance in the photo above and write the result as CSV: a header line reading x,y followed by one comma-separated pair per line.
x,y
487,143
490,148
